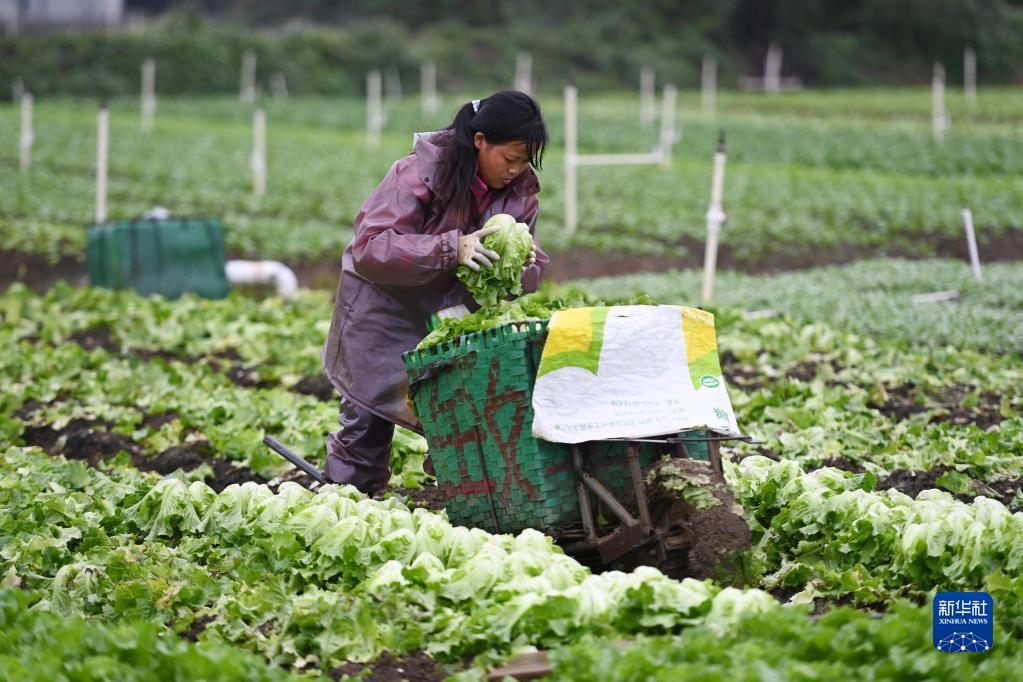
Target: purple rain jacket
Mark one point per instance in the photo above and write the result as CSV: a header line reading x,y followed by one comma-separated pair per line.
x,y
398,270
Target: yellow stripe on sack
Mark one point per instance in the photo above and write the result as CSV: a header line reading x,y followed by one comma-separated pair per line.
x,y
698,328
569,330
575,338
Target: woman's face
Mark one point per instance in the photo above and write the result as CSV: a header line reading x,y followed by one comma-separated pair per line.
x,y
499,164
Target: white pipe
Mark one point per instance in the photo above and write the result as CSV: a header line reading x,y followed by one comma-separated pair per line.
x,y
715,218
571,160
27,135
102,155
428,88
970,75
772,69
258,160
393,83
939,120
709,82
148,93
524,73
971,243
667,124
646,96
618,159
279,86
263,272
247,91
374,108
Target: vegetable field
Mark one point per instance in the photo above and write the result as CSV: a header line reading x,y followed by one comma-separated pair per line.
x,y
147,533
812,179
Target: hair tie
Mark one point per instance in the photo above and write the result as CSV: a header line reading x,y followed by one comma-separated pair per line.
x,y
475,106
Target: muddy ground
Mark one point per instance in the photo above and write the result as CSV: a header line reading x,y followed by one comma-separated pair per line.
x,y
322,273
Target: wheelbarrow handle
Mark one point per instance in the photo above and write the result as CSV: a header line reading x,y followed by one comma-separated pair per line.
x,y
294,458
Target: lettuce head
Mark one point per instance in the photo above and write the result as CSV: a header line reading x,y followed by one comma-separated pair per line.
x,y
513,242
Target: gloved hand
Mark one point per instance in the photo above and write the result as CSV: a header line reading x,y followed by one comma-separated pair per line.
x,y
472,253
532,256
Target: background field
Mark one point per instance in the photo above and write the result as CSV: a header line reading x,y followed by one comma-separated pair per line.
x,y
812,178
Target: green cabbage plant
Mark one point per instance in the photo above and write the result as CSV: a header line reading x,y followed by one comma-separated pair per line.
x,y
513,242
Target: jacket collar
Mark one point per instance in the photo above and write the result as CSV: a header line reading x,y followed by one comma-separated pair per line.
x,y
427,152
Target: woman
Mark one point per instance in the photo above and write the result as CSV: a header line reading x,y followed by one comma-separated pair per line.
x,y
411,234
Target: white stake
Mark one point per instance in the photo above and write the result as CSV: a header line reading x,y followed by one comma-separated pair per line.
x,y
970,75
667,124
971,243
17,90
428,88
27,134
148,93
374,108
258,160
939,119
772,69
646,96
279,86
524,73
709,85
715,218
102,154
247,91
570,159
393,85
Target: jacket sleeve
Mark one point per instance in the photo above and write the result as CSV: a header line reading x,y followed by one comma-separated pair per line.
x,y
389,247
532,276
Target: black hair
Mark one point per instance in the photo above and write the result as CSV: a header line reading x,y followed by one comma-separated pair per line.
x,y
504,117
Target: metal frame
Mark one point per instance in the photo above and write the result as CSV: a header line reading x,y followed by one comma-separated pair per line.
x,y
631,532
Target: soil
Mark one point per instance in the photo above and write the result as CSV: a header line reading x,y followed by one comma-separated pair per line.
x,y
323,273
428,497
718,537
843,464
197,627
318,386
37,272
416,667
902,403
584,263
92,442
749,379
912,483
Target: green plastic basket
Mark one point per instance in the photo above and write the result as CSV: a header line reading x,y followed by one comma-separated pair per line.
x,y
474,398
166,257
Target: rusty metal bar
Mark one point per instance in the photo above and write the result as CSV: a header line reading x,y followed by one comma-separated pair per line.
x,y
585,510
608,498
632,452
714,452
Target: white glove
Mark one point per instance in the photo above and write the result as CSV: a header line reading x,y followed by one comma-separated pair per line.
x,y
532,256
472,253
